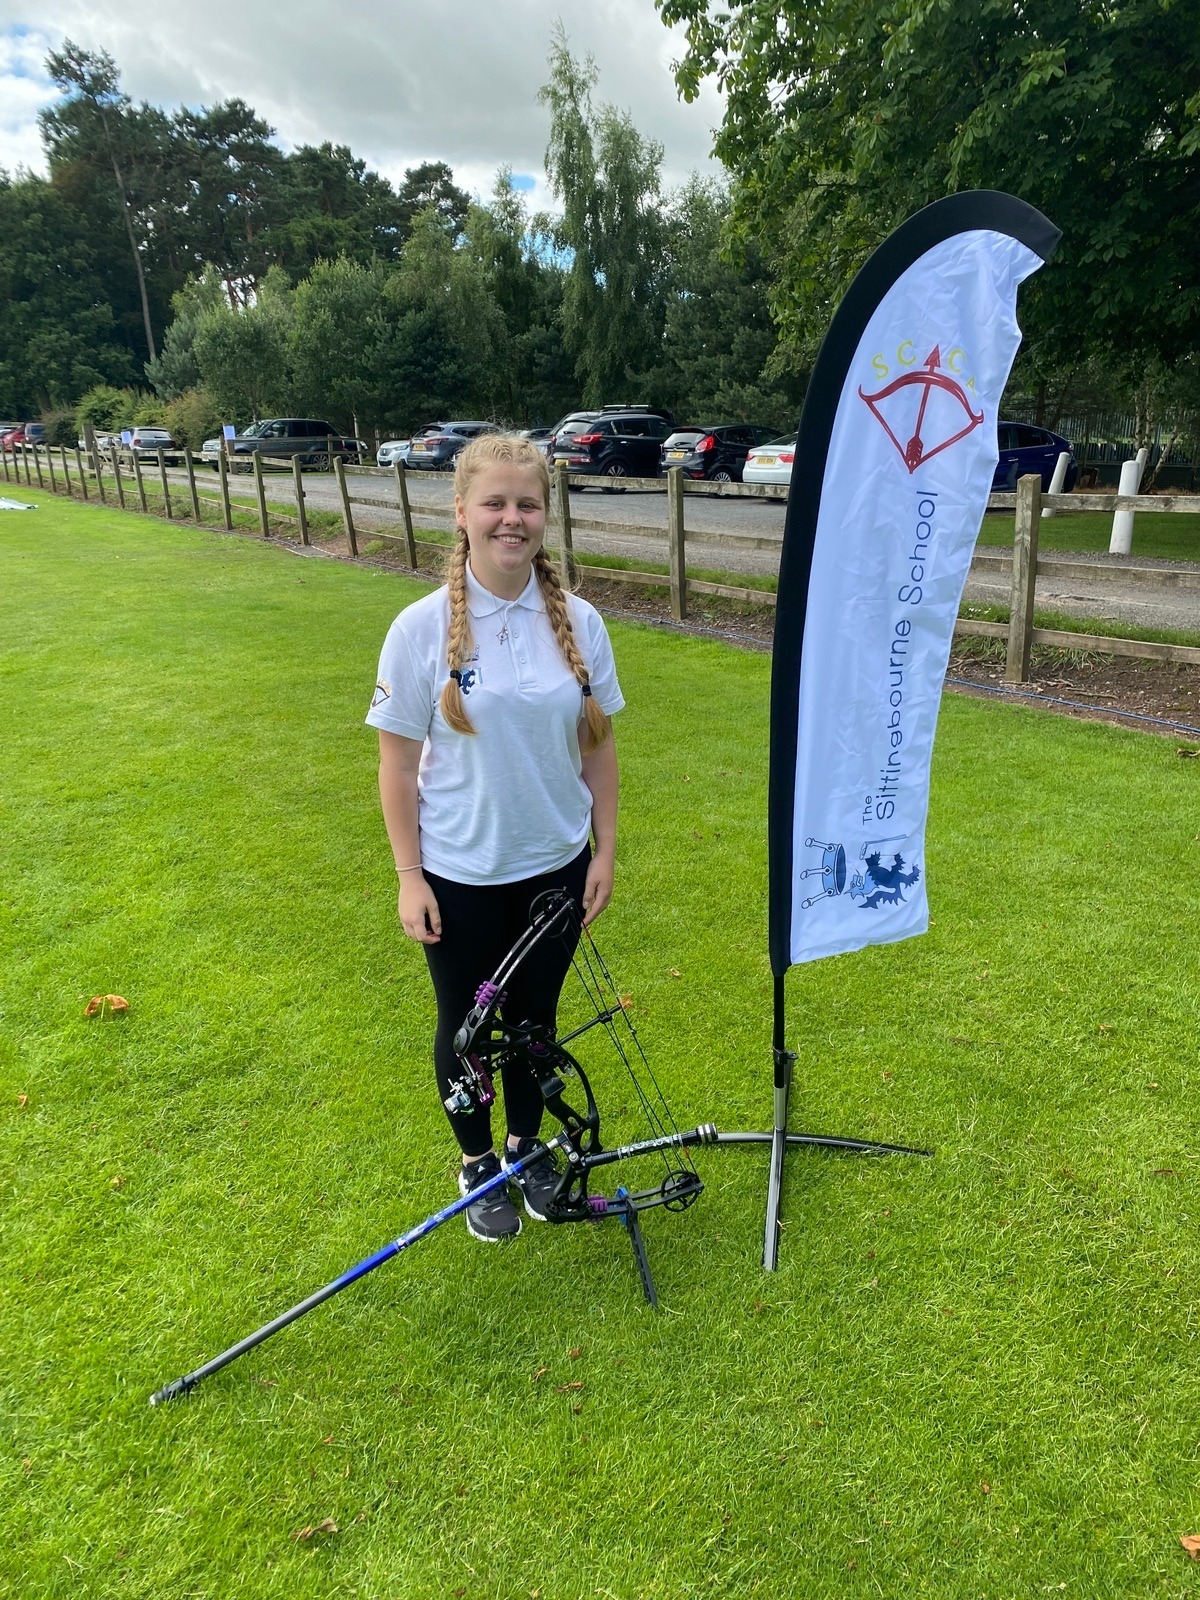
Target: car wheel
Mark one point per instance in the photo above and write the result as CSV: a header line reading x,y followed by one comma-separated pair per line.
x,y
318,461
722,476
353,459
615,469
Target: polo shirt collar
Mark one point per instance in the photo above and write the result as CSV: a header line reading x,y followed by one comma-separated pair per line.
x,y
482,602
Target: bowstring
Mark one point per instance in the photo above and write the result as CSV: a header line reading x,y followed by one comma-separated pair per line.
x,y
601,991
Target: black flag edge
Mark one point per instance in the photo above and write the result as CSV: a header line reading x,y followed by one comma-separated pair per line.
x,y
975,210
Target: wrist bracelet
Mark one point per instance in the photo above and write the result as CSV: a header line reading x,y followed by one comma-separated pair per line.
x,y
416,868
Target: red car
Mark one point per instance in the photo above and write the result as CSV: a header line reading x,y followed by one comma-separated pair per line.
x,y
23,433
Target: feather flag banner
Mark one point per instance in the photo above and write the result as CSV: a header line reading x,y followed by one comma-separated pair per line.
x,y
894,463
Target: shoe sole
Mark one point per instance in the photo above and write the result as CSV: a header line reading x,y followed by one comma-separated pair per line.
x,y
487,1238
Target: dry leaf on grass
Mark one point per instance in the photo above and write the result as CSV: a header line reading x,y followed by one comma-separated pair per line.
x,y
562,1388
1182,750
1191,1543
309,1532
106,1005
22,1101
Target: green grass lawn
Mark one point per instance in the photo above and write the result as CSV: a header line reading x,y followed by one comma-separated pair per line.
x,y
1168,537
975,1375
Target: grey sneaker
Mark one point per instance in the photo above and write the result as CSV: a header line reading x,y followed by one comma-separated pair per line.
x,y
537,1183
493,1216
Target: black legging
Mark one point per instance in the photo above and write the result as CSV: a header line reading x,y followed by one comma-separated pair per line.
x,y
480,924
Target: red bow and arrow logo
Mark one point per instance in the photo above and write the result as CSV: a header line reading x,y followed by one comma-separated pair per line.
x,y
926,407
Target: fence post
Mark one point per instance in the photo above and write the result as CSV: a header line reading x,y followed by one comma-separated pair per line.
x,y
116,466
301,513
339,468
331,445
223,474
4,464
82,473
66,471
135,460
1024,578
50,465
190,469
260,495
1057,479
166,487
25,459
562,494
406,511
99,476
675,543
37,467
1120,541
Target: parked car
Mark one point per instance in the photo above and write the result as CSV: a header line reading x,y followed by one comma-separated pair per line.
x,y
538,435
1025,449
771,462
627,445
22,433
390,451
144,444
435,448
278,439
716,453
576,422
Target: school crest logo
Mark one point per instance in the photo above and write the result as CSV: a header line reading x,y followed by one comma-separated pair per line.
x,y
873,885
383,692
925,409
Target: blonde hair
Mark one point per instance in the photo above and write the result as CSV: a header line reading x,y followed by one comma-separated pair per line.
x,y
493,450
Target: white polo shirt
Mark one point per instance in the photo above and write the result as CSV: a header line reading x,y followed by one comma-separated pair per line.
x,y
508,802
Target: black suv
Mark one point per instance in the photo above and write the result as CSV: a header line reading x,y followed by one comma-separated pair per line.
x,y
278,439
623,444
435,448
718,454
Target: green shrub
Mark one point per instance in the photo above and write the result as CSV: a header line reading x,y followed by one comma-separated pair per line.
x,y
107,408
192,417
60,426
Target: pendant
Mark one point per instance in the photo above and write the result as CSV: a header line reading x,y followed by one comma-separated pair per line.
x,y
502,636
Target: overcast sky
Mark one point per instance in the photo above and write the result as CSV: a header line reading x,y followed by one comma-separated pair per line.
x,y
400,83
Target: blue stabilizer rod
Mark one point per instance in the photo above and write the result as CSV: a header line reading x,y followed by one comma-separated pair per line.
x,y
170,1391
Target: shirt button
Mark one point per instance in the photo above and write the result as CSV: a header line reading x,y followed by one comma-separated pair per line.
x,y
522,660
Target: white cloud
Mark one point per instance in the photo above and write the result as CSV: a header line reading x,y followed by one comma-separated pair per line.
x,y
399,83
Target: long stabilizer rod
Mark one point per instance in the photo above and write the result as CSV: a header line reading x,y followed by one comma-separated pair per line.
x,y
170,1391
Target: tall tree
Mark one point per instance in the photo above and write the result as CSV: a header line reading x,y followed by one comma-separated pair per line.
x,y
432,185
842,118
96,124
232,176
58,336
244,356
607,179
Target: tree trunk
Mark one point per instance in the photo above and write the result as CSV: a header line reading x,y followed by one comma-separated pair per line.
x,y
127,212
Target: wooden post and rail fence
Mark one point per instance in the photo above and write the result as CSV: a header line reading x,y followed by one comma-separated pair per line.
x,y
1028,504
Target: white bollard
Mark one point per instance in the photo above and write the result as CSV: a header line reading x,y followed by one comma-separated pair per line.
x,y
1057,479
1141,458
1121,541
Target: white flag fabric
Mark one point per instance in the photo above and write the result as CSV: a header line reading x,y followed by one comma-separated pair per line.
x,y
894,463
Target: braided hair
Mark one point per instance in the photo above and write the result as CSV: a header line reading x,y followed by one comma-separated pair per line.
x,y
501,449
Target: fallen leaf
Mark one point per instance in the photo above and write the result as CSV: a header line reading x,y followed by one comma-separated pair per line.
x,y
22,1100
458,1593
626,1001
310,1531
563,1388
675,972
575,1352
1187,754
116,1183
1191,1543
1165,1172
985,1488
268,1383
575,1410
106,1005
540,1373
328,1439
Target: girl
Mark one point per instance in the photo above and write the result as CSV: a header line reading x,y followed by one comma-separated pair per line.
x,y
496,766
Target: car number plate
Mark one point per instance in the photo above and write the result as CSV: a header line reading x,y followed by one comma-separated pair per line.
x,y
419,449
676,455
765,461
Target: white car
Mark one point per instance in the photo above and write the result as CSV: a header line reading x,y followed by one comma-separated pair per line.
x,y
772,462
391,451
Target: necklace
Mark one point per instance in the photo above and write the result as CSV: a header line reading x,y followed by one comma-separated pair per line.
x,y
502,636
